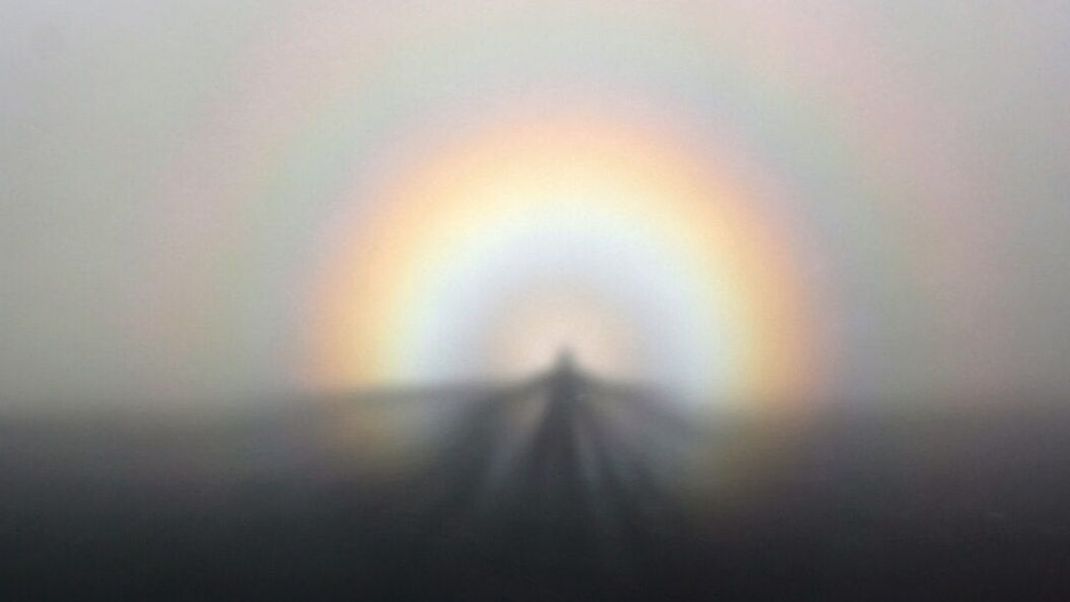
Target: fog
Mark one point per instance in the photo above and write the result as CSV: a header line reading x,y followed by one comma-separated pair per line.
x,y
172,170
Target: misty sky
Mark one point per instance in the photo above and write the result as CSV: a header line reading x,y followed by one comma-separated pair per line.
x,y
169,169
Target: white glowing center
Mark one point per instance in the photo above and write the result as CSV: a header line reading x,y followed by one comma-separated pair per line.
x,y
534,330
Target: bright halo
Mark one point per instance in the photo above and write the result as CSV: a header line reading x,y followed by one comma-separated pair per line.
x,y
644,258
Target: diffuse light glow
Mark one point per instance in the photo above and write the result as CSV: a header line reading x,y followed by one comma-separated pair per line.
x,y
435,194
439,277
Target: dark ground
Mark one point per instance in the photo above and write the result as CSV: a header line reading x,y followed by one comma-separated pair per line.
x,y
562,488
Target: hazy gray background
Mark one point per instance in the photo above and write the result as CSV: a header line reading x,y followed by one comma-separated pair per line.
x,y
122,123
